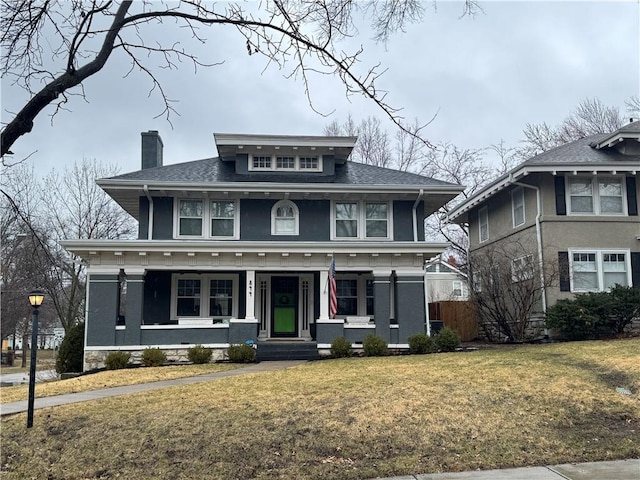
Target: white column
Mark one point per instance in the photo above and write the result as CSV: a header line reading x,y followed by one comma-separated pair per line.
x,y
324,294
250,295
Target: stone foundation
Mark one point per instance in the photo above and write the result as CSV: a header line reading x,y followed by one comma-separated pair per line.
x,y
94,359
535,330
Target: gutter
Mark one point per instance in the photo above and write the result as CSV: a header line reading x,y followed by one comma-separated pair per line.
x,y
145,188
538,238
415,215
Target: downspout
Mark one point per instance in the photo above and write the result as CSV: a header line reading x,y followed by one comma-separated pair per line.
x,y
538,238
150,222
415,215
426,301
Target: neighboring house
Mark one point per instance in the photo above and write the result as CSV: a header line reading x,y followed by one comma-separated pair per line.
x,y
573,208
240,247
445,282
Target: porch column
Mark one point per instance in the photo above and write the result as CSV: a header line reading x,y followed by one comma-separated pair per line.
x,y
250,296
324,294
382,302
102,308
134,306
410,304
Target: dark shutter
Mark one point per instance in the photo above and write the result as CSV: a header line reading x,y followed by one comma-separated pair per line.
x,y
635,269
563,268
632,198
561,202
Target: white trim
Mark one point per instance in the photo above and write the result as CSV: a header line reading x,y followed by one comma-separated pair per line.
x,y
178,346
354,326
517,192
244,320
599,252
206,219
329,320
361,220
595,194
296,218
175,326
273,163
121,327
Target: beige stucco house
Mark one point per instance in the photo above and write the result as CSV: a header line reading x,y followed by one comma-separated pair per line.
x,y
573,208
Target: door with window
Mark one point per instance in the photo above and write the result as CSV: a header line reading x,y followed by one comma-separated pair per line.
x,y
284,306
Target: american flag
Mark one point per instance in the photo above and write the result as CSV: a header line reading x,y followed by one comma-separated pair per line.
x,y
333,298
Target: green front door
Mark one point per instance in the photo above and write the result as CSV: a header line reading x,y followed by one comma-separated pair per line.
x,y
284,306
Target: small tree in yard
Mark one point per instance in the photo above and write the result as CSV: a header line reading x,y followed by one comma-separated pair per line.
x,y
506,284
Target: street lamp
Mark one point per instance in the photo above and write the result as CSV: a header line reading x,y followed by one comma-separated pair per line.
x,y
35,299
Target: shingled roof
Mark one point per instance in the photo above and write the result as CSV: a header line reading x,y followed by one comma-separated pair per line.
x,y
214,170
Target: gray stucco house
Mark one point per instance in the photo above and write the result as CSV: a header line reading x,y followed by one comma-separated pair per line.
x,y
573,208
239,247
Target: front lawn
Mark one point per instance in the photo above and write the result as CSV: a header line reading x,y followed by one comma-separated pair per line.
x,y
351,419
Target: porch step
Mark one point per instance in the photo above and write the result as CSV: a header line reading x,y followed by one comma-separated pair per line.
x,y
287,351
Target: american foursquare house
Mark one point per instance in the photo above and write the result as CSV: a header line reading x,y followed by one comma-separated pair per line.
x,y
241,246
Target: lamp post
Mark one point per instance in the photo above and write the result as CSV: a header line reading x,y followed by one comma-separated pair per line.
x,y
35,299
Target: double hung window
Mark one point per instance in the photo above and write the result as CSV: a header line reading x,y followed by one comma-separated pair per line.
x,y
483,224
599,270
221,218
522,268
355,295
596,195
517,206
204,296
362,220
285,218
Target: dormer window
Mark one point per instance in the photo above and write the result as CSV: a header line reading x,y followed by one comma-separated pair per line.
x,y
266,163
284,218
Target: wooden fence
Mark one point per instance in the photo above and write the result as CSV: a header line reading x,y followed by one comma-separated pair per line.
x,y
458,316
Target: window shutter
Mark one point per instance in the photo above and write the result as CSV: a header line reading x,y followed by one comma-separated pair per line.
x,y
632,198
563,268
561,202
635,269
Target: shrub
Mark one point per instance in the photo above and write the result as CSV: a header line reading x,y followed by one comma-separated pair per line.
x,y
447,340
341,347
241,353
374,346
625,306
71,353
117,360
199,354
153,357
573,320
421,343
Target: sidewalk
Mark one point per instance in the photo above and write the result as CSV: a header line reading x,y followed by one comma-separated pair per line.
x,y
611,470
45,402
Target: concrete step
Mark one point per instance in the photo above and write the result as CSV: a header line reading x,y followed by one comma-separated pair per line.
x,y
287,351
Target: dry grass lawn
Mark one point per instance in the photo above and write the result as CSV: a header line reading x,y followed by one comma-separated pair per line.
x,y
107,379
351,419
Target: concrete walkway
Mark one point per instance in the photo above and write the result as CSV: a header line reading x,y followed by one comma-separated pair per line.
x,y
45,402
611,470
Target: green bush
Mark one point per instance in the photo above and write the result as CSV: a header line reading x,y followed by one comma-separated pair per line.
x,y
241,353
71,353
153,357
117,360
374,346
199,354
447,340
573,320
624,307
341,347
421,343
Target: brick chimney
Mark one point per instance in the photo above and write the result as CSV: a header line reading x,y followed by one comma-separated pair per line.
x,y
151,149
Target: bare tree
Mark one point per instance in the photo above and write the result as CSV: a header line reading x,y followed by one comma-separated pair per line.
x,y
80,37
591,116
506,284
69,205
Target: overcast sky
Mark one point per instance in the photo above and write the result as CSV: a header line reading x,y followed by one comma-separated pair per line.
x,y
484,77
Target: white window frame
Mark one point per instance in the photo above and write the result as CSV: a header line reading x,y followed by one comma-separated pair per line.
x,y
599,253
457,285
205,280
483,214
296,218
273,164
361,288
522,268
595,194
206,219
517,195
361,220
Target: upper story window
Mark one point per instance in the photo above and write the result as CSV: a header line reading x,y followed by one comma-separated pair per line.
x,y
285,162
284,218
361,220
517,206
483,224
596,195
221,218
599,270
